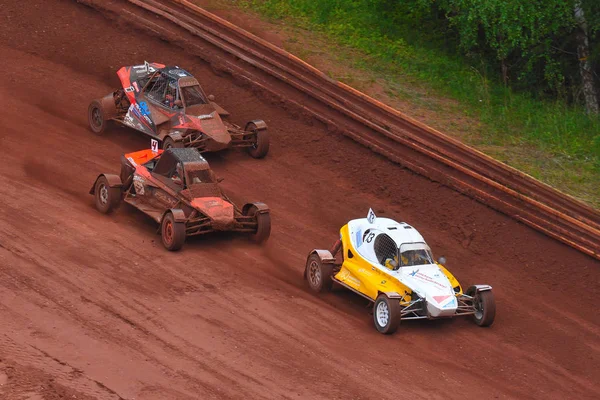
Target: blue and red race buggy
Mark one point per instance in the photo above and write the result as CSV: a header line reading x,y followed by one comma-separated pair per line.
x,y
168,104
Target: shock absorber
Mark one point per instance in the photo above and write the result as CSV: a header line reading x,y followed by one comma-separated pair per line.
x,y
336,247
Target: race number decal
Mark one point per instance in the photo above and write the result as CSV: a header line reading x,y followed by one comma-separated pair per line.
x,y
154,145
371,216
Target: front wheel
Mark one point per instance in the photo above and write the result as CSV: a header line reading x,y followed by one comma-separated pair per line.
x,y
172,232
96,117
263,225
260,147
484,305
386,314
318,274
169,143
107,198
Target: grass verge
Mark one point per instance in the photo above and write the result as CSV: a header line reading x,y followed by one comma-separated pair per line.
x,y
411,71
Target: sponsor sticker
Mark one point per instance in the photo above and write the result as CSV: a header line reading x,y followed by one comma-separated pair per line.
x,y
128,120
144,108
146,67
451,303
206,116
425,278
137,111
354,280
440,299
178,72
138,184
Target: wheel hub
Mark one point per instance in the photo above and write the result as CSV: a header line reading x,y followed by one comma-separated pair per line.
x,y
96,117
168,233
103,194
478,305
314,273
383,314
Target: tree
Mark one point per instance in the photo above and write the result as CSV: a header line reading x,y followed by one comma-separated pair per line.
x,y
585,64
524,39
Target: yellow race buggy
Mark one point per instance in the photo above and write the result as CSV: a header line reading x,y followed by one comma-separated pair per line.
x,y
390,264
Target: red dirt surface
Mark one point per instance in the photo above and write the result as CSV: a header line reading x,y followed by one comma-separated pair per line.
x,y
93,307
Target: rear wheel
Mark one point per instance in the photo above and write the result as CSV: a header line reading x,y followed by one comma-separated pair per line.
x,y
260,147
318,274
172,232
96,117
386,314
485,306
107,198
169,143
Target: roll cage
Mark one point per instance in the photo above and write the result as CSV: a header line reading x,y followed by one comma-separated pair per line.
x,y
172,92
180,168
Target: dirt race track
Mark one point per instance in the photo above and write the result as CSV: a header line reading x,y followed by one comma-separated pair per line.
x,y
93,307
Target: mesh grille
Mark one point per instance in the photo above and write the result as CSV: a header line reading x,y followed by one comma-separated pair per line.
x,y
187,155
202,190
163,90
385,248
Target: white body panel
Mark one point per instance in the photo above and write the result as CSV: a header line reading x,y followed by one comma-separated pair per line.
x,y
429,282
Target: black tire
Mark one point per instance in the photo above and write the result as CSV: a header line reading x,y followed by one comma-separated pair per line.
x,y
260,148
263,225
107,198
386,314
172,232
96,117
319,275
485,306
169,143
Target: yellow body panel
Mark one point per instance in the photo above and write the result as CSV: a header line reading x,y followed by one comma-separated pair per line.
x,y
451,278
360,275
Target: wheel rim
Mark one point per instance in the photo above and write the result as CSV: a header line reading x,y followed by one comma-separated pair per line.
x,y
96,117
478,305
383,314
168,145
103,194
314,273
168,232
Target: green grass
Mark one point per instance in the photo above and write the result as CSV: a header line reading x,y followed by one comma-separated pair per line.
x,y
553,142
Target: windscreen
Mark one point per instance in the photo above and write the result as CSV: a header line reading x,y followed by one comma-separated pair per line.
x,y
192,95
151,164
412,254
200,176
